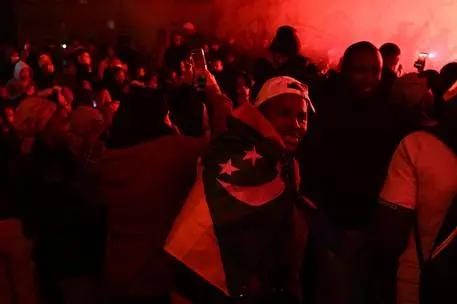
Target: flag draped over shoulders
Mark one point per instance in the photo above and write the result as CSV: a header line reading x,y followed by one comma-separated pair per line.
x,y
239,226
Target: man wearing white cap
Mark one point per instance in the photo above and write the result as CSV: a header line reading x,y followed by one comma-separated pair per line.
x,y
278,100
246,194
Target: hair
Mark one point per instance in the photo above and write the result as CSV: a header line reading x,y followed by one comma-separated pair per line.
x,y
389,49
140,118
362,46
448,75
286,42
186,110
432,78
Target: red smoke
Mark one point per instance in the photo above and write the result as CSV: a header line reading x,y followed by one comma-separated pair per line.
x,y
327,27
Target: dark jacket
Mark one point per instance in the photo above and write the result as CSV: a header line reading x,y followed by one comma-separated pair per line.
x,y
295,67
173,57
347,153
64,217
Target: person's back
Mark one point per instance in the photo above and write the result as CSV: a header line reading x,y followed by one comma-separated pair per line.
x,y
146,171
145,187
422,178
420,187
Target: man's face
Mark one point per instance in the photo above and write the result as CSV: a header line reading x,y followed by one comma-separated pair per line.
x,y
14,58
49,68
120,76
364,72
85,59
391,62
114,106
288,115
154,81
25,74
9,114
141,72
242,88
218,66
177,40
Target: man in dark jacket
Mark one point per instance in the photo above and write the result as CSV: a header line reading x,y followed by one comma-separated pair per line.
x,y
347,156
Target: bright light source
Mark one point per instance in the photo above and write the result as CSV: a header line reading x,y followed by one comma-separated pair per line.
x,y
432,55
64,46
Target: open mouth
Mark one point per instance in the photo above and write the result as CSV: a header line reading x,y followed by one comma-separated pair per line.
x,y
291,138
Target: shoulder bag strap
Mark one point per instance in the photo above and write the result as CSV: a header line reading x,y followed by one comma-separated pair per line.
x,y
417,239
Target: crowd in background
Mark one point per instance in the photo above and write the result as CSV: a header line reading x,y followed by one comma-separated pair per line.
x,y
99,147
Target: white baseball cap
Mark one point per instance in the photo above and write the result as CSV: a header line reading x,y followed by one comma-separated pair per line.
x,y
282,85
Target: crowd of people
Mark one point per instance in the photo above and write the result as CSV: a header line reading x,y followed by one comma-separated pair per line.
x,y
134,179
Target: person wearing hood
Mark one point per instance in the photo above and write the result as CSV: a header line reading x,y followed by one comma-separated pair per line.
x,y
240,234
285,49
147,172
21,85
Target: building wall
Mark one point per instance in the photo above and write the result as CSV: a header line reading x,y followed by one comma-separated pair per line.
x,y
39,20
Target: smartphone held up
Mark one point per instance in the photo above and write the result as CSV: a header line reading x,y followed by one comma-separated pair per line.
x,y
421,61
199,67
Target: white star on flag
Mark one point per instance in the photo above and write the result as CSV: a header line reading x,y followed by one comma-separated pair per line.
x,y
252,155
228,168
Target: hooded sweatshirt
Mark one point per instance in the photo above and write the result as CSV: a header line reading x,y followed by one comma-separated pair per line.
x,y
15,87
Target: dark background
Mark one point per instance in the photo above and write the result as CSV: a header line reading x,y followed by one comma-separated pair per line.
x,y
8,29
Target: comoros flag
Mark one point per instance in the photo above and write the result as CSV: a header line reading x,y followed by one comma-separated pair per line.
x,y
238,220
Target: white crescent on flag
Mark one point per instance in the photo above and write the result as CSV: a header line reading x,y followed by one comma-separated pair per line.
x,y
257,195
